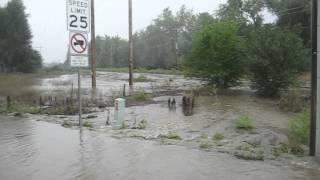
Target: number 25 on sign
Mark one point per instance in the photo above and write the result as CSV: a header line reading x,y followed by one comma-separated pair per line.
x,y
78,15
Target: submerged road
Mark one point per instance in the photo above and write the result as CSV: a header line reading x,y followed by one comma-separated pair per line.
x,y
39,150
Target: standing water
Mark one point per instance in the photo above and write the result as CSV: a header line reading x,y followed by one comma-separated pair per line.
x,y
39,150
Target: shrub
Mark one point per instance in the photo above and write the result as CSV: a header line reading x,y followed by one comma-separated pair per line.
x,y
142,124
66,124
140,96
277,56
204,136
218,137
299,127
205,145
281,149
217,54
142,78
171,135
22,108
87,124
296,149
293,101
244,122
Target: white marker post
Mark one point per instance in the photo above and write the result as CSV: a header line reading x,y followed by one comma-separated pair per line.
x,y
78,23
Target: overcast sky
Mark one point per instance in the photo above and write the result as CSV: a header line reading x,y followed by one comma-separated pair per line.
x,y
48,20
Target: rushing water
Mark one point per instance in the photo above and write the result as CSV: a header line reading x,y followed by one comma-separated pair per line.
x,y
43,151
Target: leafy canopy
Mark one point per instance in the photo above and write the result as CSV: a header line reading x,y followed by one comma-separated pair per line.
x,y
217,54
16,52
277,58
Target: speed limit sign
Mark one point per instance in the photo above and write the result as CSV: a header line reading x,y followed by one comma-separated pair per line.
x,y
78,15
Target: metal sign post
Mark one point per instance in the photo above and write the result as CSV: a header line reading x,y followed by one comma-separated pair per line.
x,y
78,23
79,97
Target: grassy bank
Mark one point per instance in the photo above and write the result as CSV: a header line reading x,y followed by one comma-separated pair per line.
x,y
16,84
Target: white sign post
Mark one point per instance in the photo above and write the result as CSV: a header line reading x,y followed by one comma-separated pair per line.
x,y
78,23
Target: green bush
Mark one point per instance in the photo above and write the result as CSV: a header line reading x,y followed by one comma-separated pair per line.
x,y
293,101
171,135
142,124
277,57
244,122
218,137
205,145
22,108
140,96
142,78
217,54
87,124
66,124
299,128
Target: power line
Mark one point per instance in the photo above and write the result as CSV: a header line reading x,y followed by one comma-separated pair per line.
x,y
286,10
285,14
160,45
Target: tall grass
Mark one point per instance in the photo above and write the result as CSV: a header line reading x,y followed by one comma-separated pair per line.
x,y
16,85
140,96
142,78
244,122
299,127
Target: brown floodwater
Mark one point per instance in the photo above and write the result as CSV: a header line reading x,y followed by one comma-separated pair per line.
x,y
110,83
39,150
33,149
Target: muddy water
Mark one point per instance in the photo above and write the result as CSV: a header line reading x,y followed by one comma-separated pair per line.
x,y
110,83
39,150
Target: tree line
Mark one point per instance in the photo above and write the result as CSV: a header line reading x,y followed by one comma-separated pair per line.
x,y
237,44
16,52
163,44
224,47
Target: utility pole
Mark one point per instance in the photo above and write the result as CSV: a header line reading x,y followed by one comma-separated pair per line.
x,y
176,48
315,97
93,47
111,54
130,45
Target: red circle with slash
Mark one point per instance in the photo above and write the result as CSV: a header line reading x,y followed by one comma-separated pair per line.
x,y
79,43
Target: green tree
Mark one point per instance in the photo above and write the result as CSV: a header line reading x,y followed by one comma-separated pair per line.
x,y
242,11
111,52
218,54
247,13
166,40
187,21
15,34
232,10
3,38
294,14
277,57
